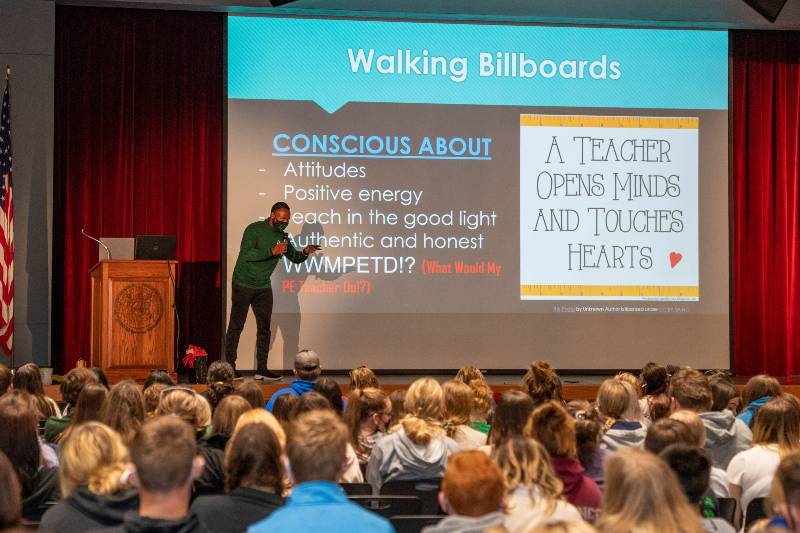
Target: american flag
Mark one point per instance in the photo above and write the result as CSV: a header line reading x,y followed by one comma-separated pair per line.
x,y
6,228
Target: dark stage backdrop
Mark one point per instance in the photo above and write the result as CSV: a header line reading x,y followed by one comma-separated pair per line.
x,y
138,150
765,148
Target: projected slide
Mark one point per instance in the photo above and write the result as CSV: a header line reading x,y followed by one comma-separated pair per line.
x,y
484,193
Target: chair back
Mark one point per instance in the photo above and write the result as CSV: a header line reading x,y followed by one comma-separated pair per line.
x,y
727,509
389,506
356,489
427,490
755,511
414,524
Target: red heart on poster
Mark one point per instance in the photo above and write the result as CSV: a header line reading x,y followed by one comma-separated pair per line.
x,y
674,258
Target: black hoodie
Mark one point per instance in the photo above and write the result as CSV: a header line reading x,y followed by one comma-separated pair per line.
x,y
233,512
84,510
39,493
142,524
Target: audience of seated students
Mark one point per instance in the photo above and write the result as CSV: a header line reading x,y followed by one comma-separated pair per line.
x,y
191,407
551,425
28,378
417,448
315,448
697,434
224,420
643,494
250,391
71,386
10,503
219,382
725,393
542,383
692,466
588,436
776,432
362,377
306,373
332,392
618,403
472,494
653,382
725,434
367,418
511,416
123,410
482,399
535,493
314,401
757,391
166,464
94,486
18,440
458,406
398,400
254,481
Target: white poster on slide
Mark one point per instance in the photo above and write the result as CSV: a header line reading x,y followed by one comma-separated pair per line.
x,y
609,208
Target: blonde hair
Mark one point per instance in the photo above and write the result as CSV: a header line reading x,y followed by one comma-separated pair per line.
x,y
261,416
424,406
642,494
361,404
695,424
525,463
186,405
92,455
612,400
362,377
151,396
481,393
572,526
627,377
778,422
457,405
468,373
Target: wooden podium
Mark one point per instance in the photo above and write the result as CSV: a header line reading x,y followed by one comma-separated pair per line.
x,y
132,328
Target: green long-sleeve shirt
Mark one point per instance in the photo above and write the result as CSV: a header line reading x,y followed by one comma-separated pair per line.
x,y
255,263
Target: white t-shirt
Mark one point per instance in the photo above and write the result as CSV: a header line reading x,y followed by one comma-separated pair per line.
x,y
753,470
469,438
524,513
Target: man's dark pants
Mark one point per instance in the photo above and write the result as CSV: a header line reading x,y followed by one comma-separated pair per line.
x,y
241,299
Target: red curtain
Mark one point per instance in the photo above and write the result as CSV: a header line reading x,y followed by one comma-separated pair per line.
x,y
765,121
138,150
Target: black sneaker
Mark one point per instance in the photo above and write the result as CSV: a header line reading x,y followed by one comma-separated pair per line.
x,y
268,375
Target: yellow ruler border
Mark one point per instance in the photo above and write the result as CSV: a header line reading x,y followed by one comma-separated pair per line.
x,y
685,291
593,121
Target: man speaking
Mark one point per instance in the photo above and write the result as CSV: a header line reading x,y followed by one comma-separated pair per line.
x,y
263,244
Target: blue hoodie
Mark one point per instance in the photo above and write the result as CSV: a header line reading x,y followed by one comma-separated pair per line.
x,y
746,416
297,388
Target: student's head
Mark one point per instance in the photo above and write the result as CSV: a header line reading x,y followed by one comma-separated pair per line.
x,y
11,502
158,376
692,466
654,379
525,463
398,399
183,403
697,430
472,485
228,412
306,365
778,422
363,378
457,405
786,486
28,378
250,391
367,410
726,395
283,406
542,382
101,376
89,405
666,432
612,399
5,378
18,439
690,390
510,416
316,446
310,401
588,430
93,456
481,400
265,418
253,460
551,425
151,396
758,387
658,406
332,391
466,374
627,377
165,456
123,410
73,383
219,382
641,493
424,406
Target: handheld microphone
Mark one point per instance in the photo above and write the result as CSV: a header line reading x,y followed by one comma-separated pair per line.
x,y
98,241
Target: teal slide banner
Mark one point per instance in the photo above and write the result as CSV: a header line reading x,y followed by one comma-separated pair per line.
x,y
333,62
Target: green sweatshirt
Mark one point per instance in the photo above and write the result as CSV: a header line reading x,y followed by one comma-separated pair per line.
x,y
255,263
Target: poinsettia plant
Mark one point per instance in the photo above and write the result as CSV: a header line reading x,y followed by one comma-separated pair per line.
x,y
191,354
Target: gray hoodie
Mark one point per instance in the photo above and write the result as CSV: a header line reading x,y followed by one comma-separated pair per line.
x,y
624,434
396,457
726,436
467,524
